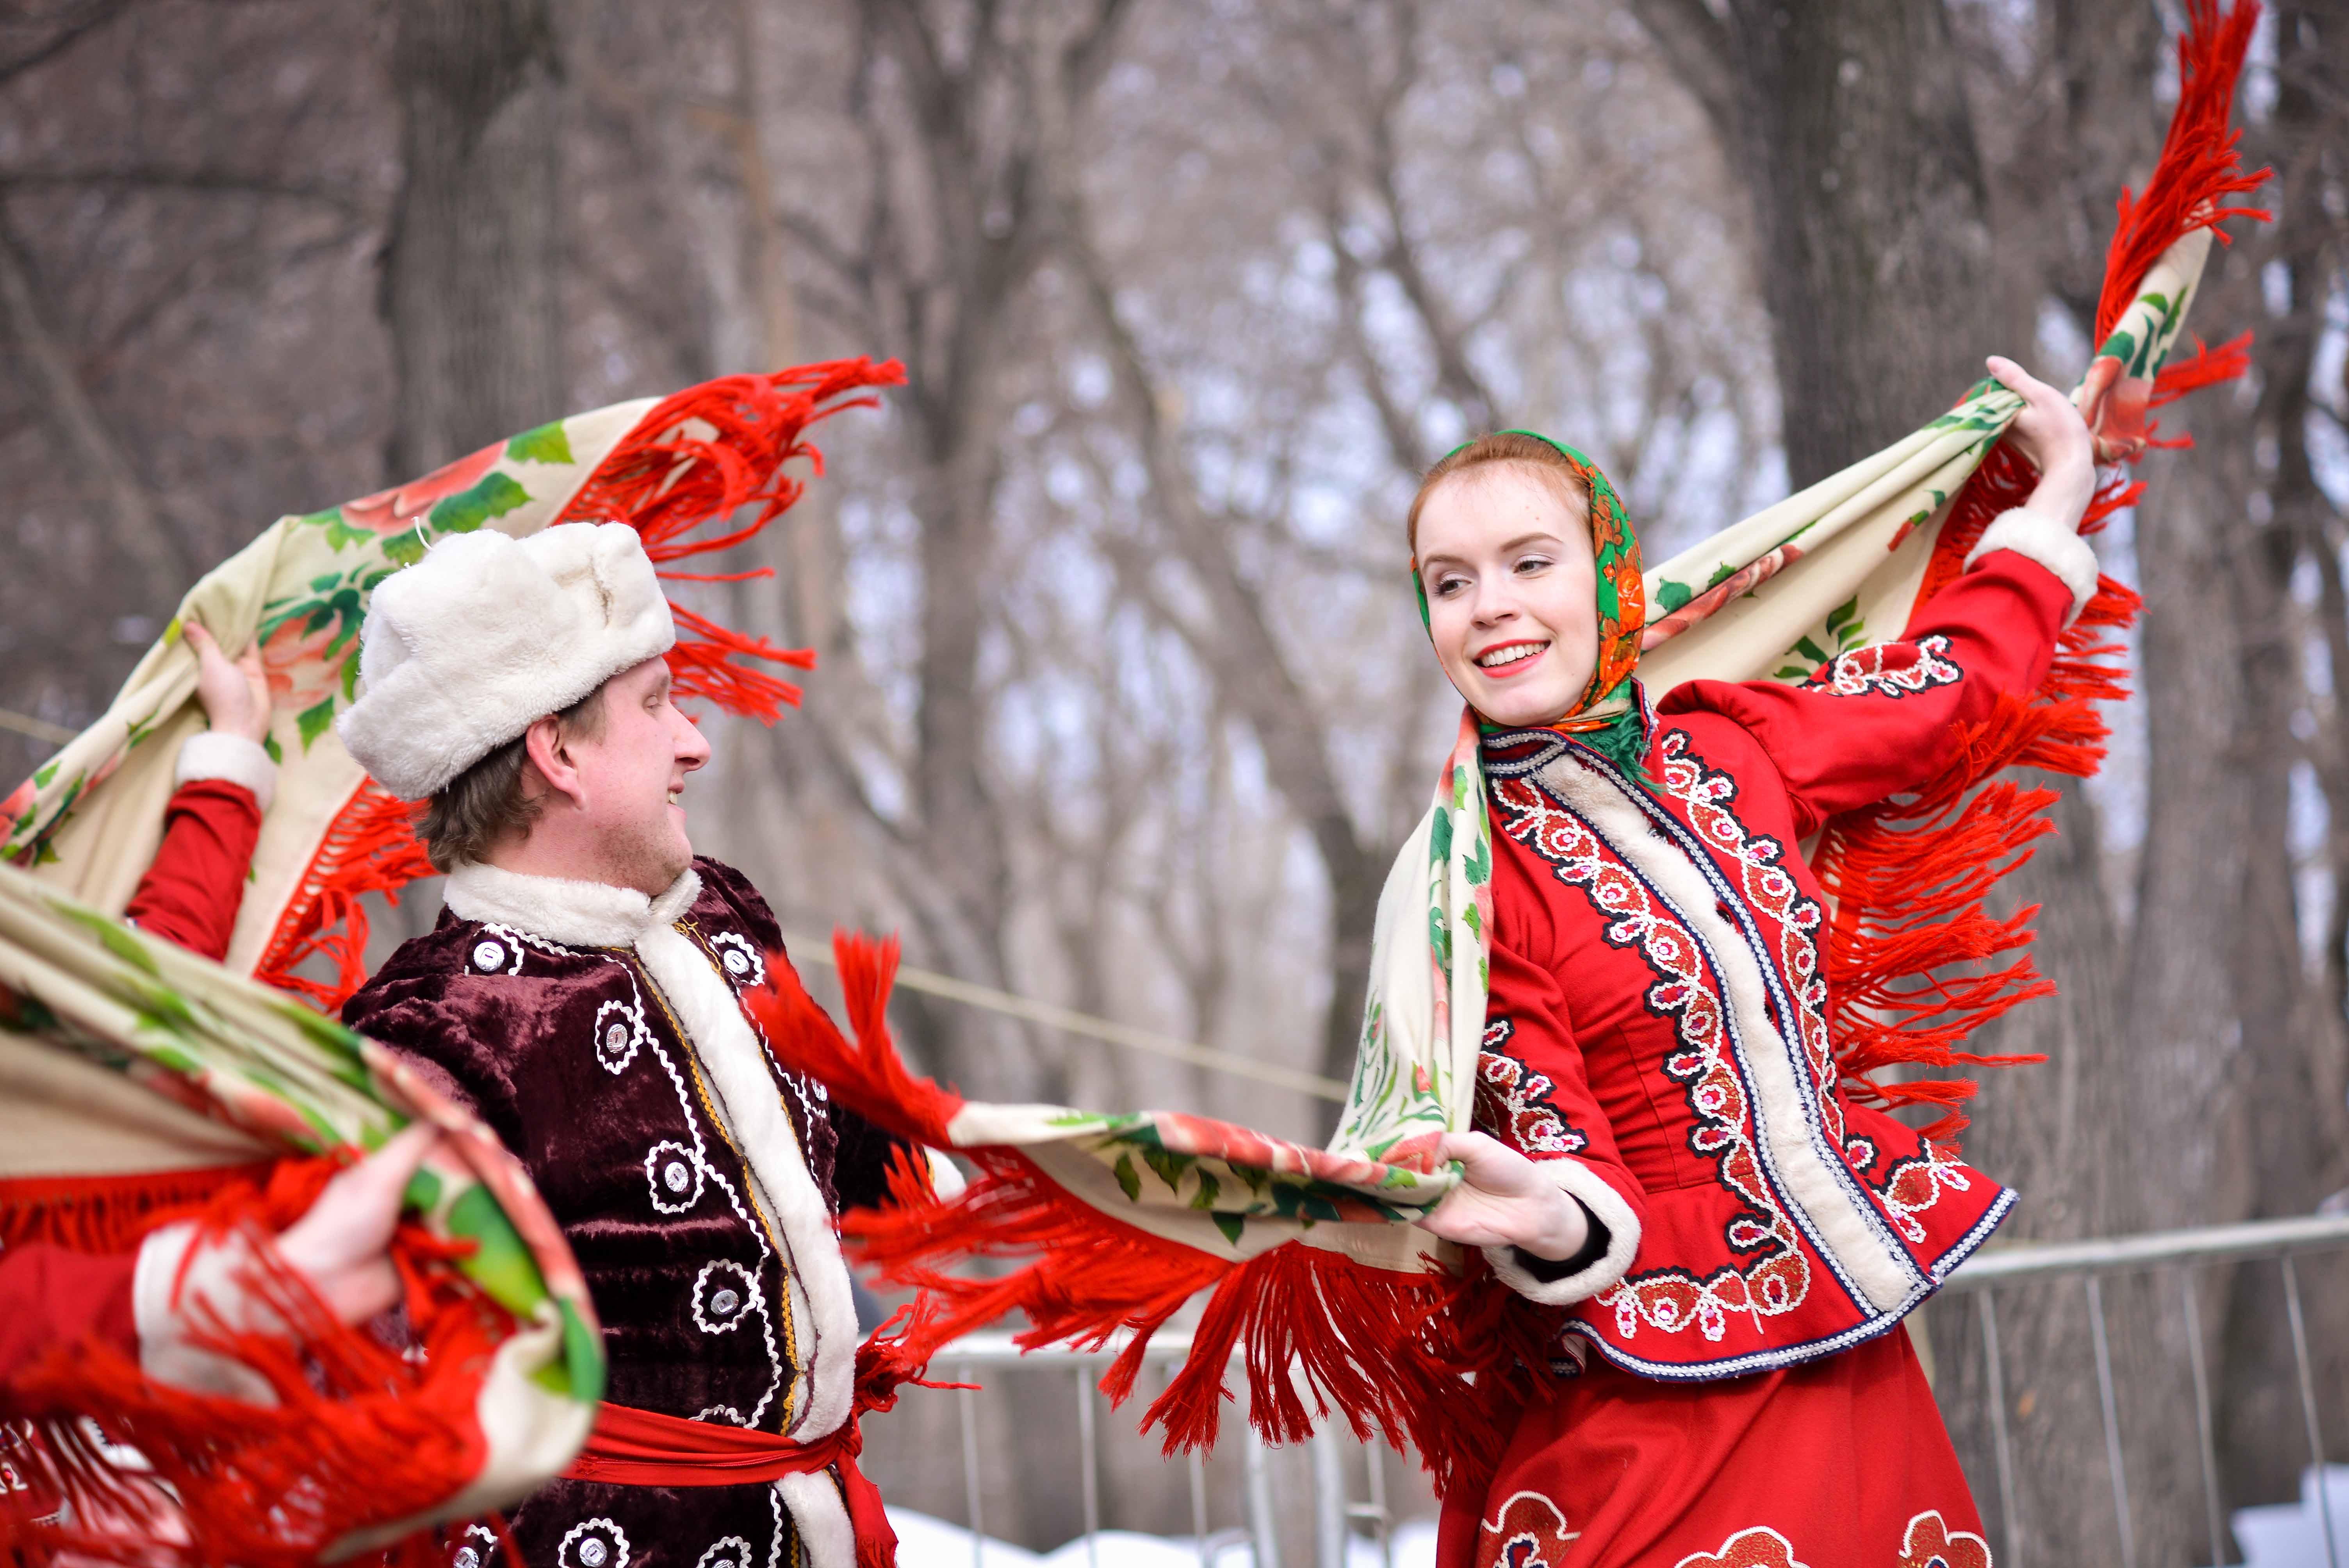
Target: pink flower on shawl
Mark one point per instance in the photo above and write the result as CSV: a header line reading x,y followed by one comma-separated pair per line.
x,y
18,799
295,662
1226,1140
389,511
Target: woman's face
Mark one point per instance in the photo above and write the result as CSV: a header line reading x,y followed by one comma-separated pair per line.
x,y
1512,593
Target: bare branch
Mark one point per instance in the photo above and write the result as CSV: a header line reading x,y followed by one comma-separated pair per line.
x,y
166,177
1696,47
71,23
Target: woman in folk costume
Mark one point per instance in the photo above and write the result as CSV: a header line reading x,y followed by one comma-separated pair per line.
x,y
1663,1143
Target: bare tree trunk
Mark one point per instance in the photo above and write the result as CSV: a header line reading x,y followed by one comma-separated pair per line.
x,y
2292,1031
1848,121
471,261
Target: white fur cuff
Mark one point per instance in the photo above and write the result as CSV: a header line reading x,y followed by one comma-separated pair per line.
x,y
2050,544
231,758
1607,1207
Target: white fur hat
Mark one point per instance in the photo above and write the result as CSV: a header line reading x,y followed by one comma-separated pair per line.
x,y
487,634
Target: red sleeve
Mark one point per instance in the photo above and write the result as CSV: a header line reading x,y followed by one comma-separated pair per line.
x,y
1533,1093
50,1296
191,894
1885,719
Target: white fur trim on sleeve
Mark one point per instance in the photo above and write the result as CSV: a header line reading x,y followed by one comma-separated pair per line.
x,y
170,1307
2047,541
210,754
1606,1205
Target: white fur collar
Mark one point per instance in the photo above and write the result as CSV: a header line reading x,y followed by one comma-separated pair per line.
x,y
576,913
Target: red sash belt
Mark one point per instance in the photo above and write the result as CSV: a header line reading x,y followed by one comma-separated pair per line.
x,y
638,1447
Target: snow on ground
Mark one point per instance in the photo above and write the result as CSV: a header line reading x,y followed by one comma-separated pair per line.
x,y
926,1543
2291,1534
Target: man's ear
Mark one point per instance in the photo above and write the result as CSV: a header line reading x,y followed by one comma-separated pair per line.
x,y
549,753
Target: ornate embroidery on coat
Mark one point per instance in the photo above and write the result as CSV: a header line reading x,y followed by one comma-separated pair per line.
x,y
745,968
725,1552
1931,1543
594,1544
1916,1184
1528,1531
1673,1299
1760,1547
1892,670
675,1174
1514,1100
1709,795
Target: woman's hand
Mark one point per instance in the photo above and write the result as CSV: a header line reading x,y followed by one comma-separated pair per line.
x,y
340,1245
1505,1200
235,696
2050,433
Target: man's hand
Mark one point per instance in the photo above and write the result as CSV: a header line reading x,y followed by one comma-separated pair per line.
x,y
340,1245
1505,1200
2050,433
235,695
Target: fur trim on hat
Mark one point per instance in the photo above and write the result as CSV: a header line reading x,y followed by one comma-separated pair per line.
x,y
487,634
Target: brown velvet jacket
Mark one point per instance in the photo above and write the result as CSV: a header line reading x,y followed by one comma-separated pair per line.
x,y
599,1034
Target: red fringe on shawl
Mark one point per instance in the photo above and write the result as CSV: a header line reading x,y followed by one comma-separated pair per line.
x,y
2200,164
361,1436
700,455
704,453
369,847
1913,956
110,1213
1442,1360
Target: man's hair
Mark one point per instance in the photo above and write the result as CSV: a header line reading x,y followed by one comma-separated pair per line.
x,y
486,803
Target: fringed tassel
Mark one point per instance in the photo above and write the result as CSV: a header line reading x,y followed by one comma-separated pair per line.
x,y
1911,935
2200,164
360,1434
110,1213
1443,1361
704,454
1913,958
371,847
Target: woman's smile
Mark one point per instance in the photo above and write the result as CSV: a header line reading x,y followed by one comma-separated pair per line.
x,y
1504,660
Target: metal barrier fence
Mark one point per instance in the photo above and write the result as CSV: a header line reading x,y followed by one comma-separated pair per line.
x,y
2266,1241
1337,1514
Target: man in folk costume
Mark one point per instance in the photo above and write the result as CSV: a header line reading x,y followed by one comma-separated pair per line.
x,y
580,995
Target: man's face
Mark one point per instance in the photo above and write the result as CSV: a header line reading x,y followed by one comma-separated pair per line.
x,y
630,777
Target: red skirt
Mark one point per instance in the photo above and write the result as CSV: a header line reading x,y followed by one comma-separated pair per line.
x,y
1842,1463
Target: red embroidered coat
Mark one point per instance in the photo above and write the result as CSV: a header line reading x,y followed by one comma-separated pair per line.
x,y
1657,1033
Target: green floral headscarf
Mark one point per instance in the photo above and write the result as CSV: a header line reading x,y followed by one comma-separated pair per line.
x,y
1606,716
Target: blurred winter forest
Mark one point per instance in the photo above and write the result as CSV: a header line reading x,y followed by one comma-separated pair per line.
x,y
1123,704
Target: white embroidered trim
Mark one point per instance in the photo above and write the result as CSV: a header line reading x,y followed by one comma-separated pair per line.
x,y
751,1103
826,1535
231,759
605,1550
1576,1180
1843,1225
581,913
737,1551
2042,539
